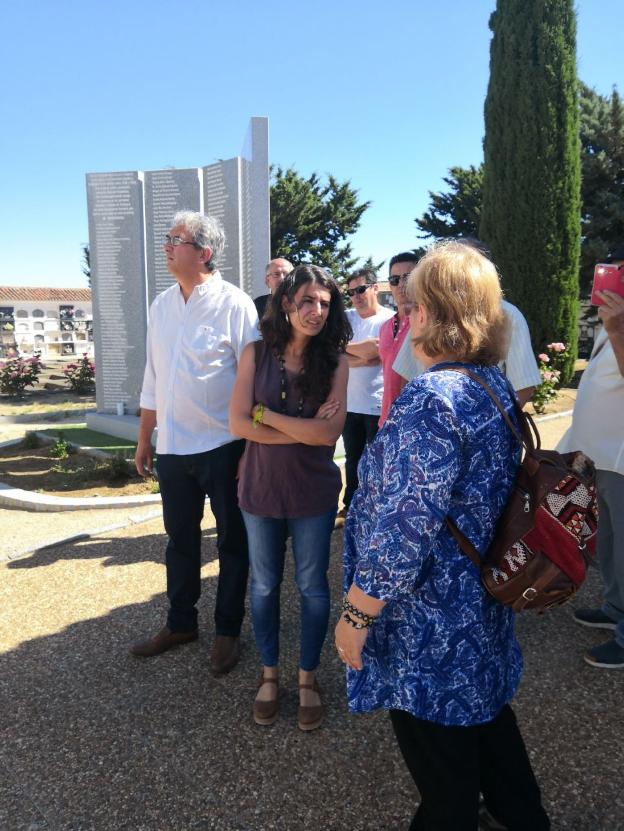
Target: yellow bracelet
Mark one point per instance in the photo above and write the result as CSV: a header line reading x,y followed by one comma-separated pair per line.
x,y
258,416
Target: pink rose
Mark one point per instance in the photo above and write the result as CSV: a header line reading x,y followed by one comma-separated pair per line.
x,y
547,375
543,357
557,347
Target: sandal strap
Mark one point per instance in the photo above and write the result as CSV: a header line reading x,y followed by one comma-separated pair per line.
x,y
264,680
314,687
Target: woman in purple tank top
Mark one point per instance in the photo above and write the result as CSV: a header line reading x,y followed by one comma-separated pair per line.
x,y
289,402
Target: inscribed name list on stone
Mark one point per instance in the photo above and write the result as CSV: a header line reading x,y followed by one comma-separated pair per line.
x,y
115,202
166,193
129,215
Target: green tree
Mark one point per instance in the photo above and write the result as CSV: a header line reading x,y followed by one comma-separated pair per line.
x,y
531,181
456,212
311,221
85,265
602,188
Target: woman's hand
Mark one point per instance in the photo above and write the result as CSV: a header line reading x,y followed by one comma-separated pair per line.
x,y
265,415
328,409
349,643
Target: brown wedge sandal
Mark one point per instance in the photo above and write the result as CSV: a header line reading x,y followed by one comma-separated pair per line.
x,y
265,712
309,718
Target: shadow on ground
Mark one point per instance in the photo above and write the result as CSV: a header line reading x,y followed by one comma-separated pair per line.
x,y
95,739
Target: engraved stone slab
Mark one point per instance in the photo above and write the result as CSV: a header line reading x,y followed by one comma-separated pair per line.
x,y
222,183
166,192
115,202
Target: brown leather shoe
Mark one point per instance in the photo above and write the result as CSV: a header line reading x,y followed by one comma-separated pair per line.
x,y
224,654
161,642
309,718
265,712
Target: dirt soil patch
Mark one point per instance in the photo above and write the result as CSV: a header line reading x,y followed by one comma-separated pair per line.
x,y
562,403
78,475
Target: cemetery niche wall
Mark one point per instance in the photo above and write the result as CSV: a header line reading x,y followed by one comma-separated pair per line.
x,y
129,215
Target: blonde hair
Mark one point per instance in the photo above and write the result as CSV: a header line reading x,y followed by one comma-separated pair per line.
x,y
461,292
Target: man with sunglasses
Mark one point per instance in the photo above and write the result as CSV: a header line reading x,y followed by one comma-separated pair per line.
x,y
365,385
197,331
394,331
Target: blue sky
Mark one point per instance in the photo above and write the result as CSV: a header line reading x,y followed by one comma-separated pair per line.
x,y
388,95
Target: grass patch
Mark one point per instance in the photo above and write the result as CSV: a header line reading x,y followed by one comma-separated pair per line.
x,y
60,409
81,435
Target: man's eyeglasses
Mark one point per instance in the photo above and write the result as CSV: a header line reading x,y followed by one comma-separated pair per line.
x,y
356,290
396,278
175,241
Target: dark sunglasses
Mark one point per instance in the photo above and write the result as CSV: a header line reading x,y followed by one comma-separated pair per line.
x,y
396,278
357,290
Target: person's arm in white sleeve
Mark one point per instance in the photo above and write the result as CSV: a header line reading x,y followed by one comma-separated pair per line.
x,y
520,365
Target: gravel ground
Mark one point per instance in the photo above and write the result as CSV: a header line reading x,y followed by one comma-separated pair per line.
x,y
95,739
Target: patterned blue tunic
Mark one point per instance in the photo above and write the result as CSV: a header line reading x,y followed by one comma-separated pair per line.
x,y
442,649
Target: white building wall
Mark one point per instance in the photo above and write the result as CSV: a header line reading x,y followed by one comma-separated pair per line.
x,y
50,327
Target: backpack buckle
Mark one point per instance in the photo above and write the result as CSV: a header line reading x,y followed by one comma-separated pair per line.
x,y
529,594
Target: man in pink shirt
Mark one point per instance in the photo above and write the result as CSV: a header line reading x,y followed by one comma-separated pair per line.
x,y
394,331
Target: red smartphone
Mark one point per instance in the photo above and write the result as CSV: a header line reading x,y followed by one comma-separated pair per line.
x,y
607,276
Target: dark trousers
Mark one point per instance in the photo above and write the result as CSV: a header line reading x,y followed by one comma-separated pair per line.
x,y
185,481
359,430
451,765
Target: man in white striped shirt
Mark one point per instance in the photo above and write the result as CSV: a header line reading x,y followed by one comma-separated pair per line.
x,y
197,331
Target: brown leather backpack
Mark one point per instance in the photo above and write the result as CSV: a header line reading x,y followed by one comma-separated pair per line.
x,y
546,535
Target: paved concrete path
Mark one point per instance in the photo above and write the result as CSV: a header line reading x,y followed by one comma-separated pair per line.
x,y
94,739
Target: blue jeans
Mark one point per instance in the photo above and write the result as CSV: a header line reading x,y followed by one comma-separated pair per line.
x,y
310,541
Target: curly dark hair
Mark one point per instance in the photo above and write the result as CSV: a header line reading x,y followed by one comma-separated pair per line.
x,y
322,353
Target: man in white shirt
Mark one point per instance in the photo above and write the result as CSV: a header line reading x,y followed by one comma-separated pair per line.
x,y
274,274
365,386
598,430
197,330
519,365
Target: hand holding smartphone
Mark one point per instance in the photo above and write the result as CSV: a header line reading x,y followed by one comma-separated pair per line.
x,y
607,276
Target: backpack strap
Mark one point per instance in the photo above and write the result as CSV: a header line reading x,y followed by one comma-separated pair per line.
x,y
528,437
464,543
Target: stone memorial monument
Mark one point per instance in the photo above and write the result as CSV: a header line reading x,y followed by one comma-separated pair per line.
x,y
129,215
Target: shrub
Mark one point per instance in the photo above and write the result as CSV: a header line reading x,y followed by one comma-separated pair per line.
x,y
18,373
81,375
61,448
31,441
117,467
551,364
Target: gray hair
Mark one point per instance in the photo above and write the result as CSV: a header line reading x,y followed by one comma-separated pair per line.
x,y
206,232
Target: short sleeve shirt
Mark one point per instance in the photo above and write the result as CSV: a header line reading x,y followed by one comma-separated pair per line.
x,y
365,387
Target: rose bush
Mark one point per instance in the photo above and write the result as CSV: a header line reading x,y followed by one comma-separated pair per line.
x,y
18,373
551,363
81,375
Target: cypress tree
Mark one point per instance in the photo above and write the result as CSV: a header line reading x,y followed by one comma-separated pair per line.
x,y
531,183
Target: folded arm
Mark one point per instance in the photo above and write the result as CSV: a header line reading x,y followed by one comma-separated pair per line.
x,y
327,425
242,402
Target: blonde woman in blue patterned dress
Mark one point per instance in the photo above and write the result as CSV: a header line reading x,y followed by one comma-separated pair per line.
x,y
418,633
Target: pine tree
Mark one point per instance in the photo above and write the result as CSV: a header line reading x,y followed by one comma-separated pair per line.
x,y
310,221
456,212
531,184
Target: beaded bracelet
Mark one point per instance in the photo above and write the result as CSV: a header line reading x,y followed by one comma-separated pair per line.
x,y
258,416
368,620
355,623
